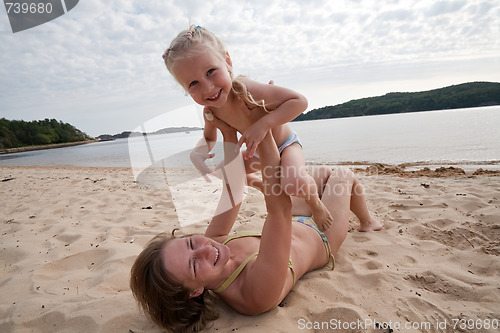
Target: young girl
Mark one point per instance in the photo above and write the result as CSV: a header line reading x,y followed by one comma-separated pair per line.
x,y
202,66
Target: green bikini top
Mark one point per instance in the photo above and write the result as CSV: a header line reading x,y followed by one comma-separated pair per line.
x,y
237,271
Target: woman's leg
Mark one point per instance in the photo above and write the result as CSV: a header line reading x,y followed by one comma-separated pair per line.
x,y
342,194
296,182
360,209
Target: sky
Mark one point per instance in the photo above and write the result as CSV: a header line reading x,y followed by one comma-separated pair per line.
x,y
99,66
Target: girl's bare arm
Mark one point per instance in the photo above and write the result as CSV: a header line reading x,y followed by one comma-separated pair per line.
x,y
284,106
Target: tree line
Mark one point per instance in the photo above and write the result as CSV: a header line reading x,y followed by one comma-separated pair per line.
x,y
465,95
20,133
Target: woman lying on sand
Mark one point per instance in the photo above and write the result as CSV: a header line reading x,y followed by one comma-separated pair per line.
x,y
252,272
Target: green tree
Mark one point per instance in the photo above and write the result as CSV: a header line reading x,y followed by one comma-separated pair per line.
x,y
17,133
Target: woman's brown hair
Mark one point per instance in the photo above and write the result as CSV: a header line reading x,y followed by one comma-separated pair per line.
x,y
162,298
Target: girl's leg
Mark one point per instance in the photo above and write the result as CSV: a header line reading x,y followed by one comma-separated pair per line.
x,y
296,182
337,198
320,174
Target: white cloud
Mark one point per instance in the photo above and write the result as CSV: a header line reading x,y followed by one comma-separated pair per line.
x,y
445,7
99,67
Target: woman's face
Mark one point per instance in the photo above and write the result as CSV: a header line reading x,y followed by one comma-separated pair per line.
x,y
196,261
205,76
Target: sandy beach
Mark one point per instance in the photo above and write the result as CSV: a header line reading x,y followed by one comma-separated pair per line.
x,y
69,236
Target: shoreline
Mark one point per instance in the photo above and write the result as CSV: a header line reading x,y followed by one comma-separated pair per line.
x,y
364,169
44,147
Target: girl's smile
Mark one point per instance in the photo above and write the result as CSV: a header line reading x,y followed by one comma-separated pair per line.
x,y
216,97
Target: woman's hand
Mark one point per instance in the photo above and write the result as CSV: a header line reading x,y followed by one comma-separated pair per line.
x,y
227,131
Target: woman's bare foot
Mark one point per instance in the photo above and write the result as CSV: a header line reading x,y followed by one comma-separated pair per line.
x,y
371,225
320,214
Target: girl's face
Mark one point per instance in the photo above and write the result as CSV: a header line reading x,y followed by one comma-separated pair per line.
x,y
197,261
205,76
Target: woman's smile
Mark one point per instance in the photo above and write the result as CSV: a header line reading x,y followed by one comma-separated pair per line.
x,y
216,255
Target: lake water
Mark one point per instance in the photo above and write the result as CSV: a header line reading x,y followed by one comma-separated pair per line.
x,y
458,137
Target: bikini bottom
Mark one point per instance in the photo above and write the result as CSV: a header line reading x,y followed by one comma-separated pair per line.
x,y
310,223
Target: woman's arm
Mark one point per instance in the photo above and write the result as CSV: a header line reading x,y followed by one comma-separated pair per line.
x,y
264,283
233,176
284,106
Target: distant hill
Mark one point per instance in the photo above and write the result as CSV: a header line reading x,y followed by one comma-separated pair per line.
x,y
124,135
20,133
465,95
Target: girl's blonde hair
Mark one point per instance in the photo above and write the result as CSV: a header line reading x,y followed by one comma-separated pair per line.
x,y
188,42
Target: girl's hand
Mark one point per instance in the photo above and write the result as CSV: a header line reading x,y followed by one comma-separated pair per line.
x,y
198,157
252,138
